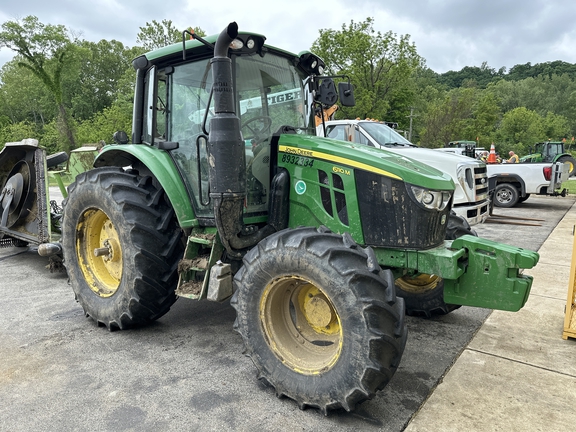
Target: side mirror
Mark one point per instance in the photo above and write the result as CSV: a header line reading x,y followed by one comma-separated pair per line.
x,y
346,94
327,93
120,137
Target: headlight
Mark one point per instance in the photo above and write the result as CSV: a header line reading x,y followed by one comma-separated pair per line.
x,y
431,199
237,44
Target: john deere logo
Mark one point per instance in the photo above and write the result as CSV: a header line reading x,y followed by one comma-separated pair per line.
x,y
300,187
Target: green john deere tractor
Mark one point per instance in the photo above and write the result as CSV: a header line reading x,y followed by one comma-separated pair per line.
x,y
224,192
551,151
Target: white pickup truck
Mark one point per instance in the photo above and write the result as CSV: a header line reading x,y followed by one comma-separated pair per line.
x,y
471,199
516,182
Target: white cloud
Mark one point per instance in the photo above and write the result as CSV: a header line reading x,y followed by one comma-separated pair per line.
x,y
449,34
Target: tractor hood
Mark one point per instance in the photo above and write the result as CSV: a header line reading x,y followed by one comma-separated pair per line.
x,y
359,156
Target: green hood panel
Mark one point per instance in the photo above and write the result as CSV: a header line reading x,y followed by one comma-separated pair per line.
x,y
359,156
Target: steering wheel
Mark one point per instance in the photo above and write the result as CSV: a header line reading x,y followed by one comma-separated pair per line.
x,y
257,133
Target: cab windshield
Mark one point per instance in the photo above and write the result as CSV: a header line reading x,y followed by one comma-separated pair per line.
x,y
384,134
270,93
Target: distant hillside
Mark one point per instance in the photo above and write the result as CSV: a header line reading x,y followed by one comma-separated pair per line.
x,y
484,74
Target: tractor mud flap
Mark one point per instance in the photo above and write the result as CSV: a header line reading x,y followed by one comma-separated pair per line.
x,y
492,275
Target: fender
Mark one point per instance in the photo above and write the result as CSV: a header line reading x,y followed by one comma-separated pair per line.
x,y
511,178
161,166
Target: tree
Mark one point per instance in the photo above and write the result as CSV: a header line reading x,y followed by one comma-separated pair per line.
x,y
519,129
44,50
156,34
556,126
94,87
450,118
481,76
23,97
379,65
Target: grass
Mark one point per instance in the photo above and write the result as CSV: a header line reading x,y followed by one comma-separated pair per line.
x,y
65,178
570,185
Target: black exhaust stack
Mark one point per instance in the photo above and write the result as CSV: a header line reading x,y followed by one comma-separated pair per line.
x,y
226,149
227,155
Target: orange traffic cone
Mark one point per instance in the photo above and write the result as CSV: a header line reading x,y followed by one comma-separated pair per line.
x,y
492,155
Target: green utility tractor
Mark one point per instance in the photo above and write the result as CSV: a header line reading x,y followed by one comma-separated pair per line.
x,y
550,151
225,192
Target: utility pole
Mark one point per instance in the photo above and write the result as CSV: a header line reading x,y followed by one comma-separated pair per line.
x,y
411,116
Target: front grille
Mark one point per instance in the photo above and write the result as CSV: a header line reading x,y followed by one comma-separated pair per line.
x,y
481,182
391,218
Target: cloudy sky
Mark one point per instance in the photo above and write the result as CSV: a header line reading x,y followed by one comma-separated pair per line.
x,y
449,34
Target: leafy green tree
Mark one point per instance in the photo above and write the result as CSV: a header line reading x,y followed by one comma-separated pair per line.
x,y
14,132
450,118
156,34
94,87
556,126
45,50
481,76
379,65
522,71
103,125
486,116
520,128
23,96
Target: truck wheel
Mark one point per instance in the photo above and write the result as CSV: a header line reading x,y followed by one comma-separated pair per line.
x,y
506,195
121,247
424,294
571,164
524,198
319,318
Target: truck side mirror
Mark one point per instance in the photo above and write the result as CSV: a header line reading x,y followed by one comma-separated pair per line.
x,y
346,94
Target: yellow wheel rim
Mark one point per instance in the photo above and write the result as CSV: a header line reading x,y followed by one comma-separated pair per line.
x,y
418,284
301,325
99,252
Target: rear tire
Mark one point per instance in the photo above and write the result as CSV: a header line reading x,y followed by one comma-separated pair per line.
x,y
424,294
571,164
524,198
56,159
129,221
319,318
506,195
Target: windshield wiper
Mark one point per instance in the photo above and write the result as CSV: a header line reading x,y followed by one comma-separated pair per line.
x,y
397,144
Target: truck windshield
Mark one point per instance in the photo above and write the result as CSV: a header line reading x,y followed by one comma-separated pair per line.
x,y
270,93
384,134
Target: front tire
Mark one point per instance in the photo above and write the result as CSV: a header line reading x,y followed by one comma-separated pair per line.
x,y
121,247
506,195
319,318
423,294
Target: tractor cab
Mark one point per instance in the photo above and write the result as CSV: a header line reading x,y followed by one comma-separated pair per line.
x,y
550,152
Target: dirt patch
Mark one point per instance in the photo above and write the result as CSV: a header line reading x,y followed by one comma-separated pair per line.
x,y
192,287
200,262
